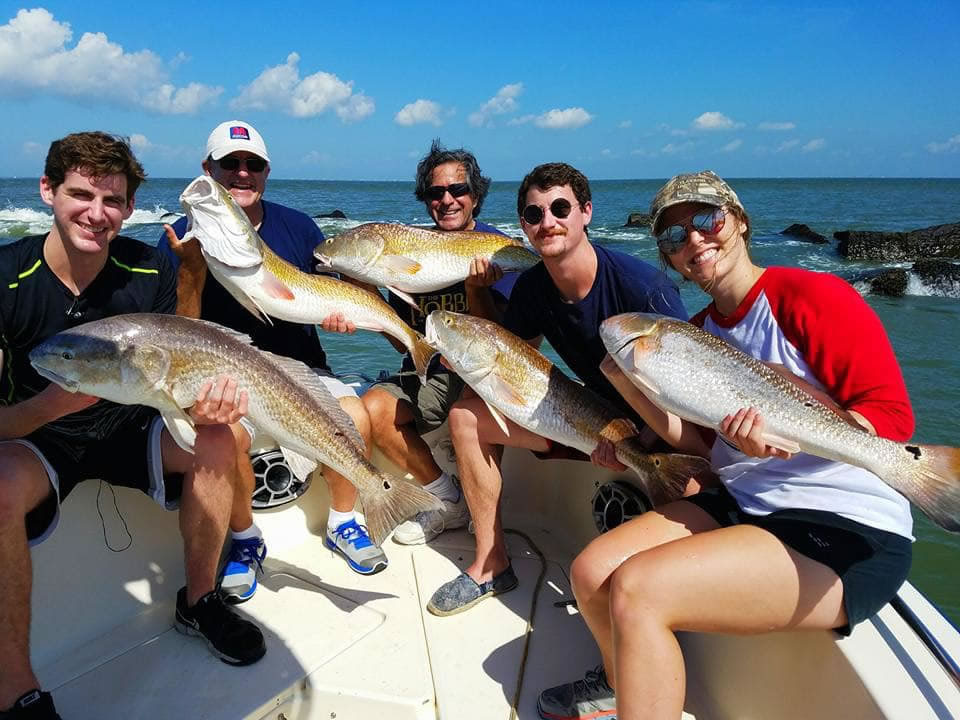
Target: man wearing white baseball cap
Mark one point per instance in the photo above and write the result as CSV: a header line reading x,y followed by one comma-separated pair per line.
x,y
236,157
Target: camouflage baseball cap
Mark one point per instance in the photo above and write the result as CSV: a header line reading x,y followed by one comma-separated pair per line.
x,y
702,187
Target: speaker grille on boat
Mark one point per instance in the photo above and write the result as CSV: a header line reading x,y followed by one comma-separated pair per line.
x,y
616,502
275,483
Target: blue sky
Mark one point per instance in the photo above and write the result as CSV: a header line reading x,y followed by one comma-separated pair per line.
x,y
356,91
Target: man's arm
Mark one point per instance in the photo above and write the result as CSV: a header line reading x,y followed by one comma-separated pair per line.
x,y
480,300
50,404
191,275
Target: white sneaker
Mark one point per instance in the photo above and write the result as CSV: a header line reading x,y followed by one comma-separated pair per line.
x,y
425,526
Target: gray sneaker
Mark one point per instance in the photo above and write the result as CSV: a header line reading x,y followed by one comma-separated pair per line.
x,y
591,698
352,542
426,525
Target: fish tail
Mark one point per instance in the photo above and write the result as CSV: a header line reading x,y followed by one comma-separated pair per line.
x,y
665,476
421,353
931,481
392,502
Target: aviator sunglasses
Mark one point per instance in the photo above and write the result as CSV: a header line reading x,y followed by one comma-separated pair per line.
x,y
436,192
706,222
253,164
559,208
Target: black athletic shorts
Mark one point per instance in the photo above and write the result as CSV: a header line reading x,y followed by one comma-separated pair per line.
x,y
125,458
872,564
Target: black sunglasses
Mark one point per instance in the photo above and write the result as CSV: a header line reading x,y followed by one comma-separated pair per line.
x,y
436,192
253,164
559,208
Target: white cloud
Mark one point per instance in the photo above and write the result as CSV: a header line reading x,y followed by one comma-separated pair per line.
x,y
606,152
570,118
787,145
420,112
814,145
35,59
776,126
715,121
522,120
624,124
31,148
950,146
139,142
315,157
732,145
674,148
281,88
505,101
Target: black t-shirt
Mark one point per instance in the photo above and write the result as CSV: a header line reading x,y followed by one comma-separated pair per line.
x,y
35,304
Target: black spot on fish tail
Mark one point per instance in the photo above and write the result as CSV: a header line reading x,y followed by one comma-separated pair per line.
x,y
914,450
386,485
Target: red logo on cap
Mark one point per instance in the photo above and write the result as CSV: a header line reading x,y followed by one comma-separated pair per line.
x,y
238,132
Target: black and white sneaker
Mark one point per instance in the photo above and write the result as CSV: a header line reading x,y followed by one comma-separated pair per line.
x,y
33,705
231,638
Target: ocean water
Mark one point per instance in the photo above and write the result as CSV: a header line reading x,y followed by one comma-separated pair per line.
x,y
924,326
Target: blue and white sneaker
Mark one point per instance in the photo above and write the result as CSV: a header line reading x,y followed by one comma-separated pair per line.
x,y
238,579
353,543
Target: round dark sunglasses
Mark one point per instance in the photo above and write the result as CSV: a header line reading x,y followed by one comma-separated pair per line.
x,y
436,192
253,164
559,208
671,240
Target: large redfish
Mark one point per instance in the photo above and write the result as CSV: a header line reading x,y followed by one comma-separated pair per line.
x,y
162,361
699,377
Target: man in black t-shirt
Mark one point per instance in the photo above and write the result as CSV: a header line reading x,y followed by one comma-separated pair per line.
x,y
50,439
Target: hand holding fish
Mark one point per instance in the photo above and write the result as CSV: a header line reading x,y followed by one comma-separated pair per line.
x,y
745,430
219,403
605,456
483,273
337,323
59,402
187,249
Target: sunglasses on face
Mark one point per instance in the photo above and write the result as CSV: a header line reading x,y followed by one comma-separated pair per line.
x,y
436,192
253,164
559,208
671,240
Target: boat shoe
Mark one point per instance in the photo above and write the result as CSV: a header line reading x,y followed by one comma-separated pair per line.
x,y
591,698
427,524
231,638
352,542
463,592
33,705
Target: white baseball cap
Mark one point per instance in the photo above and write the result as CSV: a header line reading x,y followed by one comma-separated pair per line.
x,y
233,136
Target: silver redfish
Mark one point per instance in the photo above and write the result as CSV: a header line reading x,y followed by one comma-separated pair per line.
x,y
697,376
162,360
266,284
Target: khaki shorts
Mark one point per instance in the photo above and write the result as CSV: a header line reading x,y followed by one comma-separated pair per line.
x,y
431,403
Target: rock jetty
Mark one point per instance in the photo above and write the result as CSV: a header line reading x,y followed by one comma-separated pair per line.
x,y
639,220
804,232
939,241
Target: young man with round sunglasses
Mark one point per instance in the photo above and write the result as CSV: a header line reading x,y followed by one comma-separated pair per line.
x,y
564,298
452,187
237,158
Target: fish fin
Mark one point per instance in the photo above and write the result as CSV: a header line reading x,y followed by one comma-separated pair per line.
x,y
308,379
218,268
635,377
495,414
404,296
781,443
399,264
180,426
275,287
300,466
503,390
664,476
391,502
150,362
930,479
235,334
421,353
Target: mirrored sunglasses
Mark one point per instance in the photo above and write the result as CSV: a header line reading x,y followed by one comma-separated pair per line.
x,y
253,164
671,240
436,192
559,208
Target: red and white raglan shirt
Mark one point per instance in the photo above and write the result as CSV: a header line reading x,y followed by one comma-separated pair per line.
x,y
820,329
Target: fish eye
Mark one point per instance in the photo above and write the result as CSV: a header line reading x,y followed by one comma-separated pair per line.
x,y
66,355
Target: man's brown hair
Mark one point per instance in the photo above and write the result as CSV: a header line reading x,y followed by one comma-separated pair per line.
x,y
96,154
